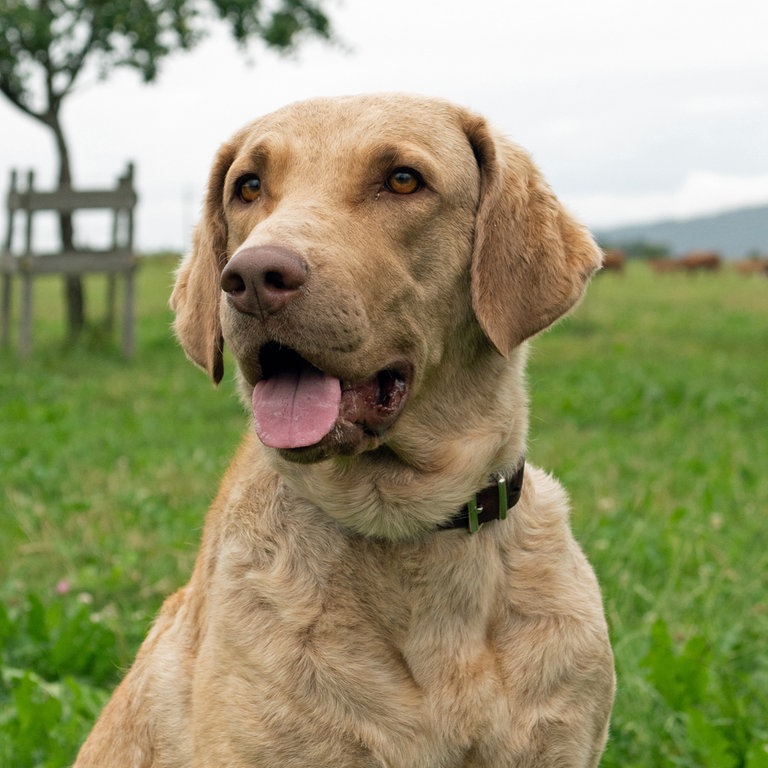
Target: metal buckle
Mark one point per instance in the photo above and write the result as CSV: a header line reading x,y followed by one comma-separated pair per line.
x,y
474,511
501,484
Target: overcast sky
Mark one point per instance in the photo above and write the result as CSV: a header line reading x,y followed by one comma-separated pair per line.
x,y
635,111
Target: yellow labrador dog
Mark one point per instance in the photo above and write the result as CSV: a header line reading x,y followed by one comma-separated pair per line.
x,y
382,580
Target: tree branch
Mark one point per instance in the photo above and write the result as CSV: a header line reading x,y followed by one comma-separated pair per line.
x,y
15,98
77,60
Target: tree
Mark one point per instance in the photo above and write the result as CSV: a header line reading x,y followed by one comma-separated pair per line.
x,y
46,45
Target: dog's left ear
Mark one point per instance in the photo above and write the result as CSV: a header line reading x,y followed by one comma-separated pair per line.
x,y
196,294
531,260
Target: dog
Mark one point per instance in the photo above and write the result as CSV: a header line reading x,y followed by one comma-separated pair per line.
x,y
382,580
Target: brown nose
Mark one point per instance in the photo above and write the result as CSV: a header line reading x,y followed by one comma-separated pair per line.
x,y
261,280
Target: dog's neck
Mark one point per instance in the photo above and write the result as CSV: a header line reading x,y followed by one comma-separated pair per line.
x,y
418,483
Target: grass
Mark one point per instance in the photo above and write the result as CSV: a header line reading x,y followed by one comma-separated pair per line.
x,y
649,403
651,406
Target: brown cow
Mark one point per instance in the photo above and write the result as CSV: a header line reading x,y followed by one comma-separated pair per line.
x,y
754,266
661,266
700,261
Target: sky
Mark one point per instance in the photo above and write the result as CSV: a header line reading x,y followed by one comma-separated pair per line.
x,y
634,111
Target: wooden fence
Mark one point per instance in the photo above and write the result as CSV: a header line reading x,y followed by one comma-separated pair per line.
x,y
26,261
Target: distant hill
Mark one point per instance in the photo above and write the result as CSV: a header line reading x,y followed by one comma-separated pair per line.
x,y
734,234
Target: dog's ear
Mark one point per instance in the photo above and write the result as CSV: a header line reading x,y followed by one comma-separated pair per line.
x,y
196,294
531,261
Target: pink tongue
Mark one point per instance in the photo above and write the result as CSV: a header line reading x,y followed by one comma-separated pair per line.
x,y
296,409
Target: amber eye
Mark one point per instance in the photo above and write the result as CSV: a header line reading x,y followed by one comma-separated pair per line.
x,y
404,181
248,188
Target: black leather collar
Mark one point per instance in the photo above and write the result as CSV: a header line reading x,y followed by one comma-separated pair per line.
x,y
491,503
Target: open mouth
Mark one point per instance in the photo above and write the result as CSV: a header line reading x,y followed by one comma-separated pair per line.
x,y
296,405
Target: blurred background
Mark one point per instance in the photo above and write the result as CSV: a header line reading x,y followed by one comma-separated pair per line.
x,y
635,111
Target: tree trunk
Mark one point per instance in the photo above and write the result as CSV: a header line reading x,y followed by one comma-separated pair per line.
x,y
74,297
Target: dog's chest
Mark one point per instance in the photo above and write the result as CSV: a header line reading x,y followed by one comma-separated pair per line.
x,y
361,664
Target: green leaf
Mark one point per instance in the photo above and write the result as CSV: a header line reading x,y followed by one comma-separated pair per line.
x,y
709,741
681,678
757,756
36,624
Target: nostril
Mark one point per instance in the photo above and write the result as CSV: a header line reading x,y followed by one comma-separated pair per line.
x,y
274,279
232,282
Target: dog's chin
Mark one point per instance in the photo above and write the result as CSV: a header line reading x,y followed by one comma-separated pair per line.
x,y
344,440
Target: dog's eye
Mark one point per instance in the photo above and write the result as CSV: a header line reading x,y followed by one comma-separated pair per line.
x,y
404,181
248,188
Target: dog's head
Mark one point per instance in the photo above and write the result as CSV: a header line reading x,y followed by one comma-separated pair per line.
x,y
355,252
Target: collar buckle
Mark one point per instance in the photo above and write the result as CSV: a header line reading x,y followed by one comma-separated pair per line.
x,y
473,515
491,503
475,510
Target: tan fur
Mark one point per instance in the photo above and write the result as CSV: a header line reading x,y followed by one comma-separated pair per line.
x,y
327,622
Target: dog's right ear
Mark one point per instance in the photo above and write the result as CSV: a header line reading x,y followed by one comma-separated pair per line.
x,y
196,294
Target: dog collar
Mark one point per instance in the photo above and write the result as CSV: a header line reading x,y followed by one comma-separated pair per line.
x,y
491,503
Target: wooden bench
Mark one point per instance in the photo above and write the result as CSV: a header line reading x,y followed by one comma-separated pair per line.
x,y
24,262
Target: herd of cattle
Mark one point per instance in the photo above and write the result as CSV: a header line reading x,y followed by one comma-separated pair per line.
x,y
614,260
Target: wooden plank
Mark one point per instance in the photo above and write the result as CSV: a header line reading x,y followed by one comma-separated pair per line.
x,y
69,201
78,262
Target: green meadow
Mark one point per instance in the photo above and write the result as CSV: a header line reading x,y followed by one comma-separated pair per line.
x,y
650,403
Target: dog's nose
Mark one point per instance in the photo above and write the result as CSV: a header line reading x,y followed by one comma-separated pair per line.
x,y
261,280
